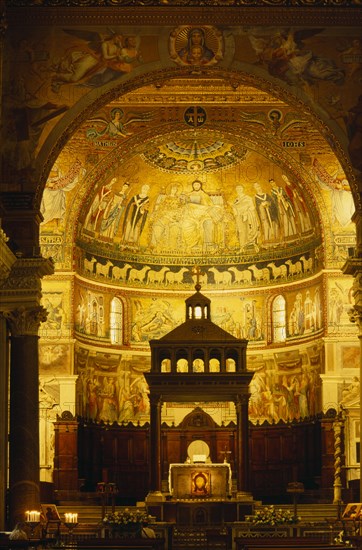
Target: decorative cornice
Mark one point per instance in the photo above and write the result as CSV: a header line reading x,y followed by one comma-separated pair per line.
x,y
172,4
162,12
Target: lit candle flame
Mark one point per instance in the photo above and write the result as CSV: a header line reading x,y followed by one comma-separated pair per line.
x,y
32,516
71,517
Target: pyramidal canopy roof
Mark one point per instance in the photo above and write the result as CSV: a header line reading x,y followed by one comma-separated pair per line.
x,y
198,329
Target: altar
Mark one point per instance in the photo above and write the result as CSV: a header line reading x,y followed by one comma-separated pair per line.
x,y
200,481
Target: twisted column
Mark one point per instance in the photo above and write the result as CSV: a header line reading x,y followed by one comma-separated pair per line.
x,y
353,267
338,450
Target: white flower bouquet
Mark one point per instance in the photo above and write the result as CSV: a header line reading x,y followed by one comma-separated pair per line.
x,y
269,515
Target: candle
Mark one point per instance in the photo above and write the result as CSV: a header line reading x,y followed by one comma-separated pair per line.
x,y
32,516
71,518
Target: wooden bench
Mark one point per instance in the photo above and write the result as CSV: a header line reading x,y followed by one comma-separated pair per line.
x,y
25,544
284,543
88,544
136,543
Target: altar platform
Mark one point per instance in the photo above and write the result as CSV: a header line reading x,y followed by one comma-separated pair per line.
x,y
202,512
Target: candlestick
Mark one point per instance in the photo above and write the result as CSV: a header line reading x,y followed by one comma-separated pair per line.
x,y
71,518
32,518
71,521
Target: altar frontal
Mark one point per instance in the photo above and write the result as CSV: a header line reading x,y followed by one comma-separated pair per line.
x,y
208,481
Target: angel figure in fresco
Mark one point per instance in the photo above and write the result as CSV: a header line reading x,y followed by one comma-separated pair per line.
x,y
285,56
273,121
116,126
350,392
342,200
98,59
53,204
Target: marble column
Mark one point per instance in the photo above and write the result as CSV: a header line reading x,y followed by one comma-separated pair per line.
x,y
155,447
242,443
24,490
20,296
7,260
4,374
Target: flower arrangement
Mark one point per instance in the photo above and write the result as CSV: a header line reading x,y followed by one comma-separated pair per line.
x,y
341,539
269,515
126,517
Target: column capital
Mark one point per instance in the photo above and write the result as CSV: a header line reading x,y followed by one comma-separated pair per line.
x,y
155,400
26,321
23,284
242,399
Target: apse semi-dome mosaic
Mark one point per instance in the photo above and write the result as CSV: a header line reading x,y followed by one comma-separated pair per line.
x,y
199,198
237,182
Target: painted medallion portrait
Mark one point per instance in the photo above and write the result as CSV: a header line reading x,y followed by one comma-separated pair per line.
x,y
196,45
200,483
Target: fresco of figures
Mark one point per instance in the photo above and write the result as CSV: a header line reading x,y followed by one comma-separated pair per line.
x,y
48,70
340,302
286,394
198,217
228,217
240,314
110,388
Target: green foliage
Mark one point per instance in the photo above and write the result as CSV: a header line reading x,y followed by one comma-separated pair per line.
x,y
269,515
126,517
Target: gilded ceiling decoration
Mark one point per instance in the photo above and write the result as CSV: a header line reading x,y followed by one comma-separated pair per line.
x,y
176,3
195,153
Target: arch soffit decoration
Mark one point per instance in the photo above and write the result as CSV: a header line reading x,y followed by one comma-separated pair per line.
x,y
148,75
143,77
